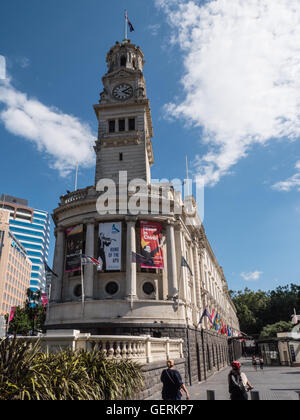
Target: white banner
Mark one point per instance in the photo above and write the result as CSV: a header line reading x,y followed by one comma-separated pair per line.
x,y
110,245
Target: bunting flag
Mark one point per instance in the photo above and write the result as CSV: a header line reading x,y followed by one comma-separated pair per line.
x,y
48,269
131,28
207,315
85,260
213,316
12,314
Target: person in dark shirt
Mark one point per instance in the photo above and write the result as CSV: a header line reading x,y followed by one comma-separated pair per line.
x,y
261,363
172,384
238,383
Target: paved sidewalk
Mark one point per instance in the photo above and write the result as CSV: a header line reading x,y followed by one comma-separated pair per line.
x,y
273,383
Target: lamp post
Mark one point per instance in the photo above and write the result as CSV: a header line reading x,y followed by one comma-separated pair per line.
x,y
33,299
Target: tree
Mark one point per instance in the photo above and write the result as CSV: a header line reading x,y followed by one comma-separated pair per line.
x,y
251,307
20,324
31,318
257,309
270,331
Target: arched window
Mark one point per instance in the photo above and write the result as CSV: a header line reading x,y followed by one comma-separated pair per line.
x,y
123,61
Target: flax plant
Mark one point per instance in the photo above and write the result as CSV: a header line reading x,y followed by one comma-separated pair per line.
x,y
26,373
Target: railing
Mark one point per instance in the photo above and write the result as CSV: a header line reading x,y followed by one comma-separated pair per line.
x,y
75,196
142,349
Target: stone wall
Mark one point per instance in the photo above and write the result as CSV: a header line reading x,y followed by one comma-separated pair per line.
x,y
152,374
205,352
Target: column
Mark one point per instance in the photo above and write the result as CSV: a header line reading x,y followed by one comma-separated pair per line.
x,y
130,266
193,278
58,266
90,252
171,255
197,277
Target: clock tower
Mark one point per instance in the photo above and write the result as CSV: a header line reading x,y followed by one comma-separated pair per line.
x,y
124,117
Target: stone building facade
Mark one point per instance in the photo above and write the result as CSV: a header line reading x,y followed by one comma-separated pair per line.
x,y
127,298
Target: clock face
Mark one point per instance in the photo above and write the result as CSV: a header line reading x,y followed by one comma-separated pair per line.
x,y
122,92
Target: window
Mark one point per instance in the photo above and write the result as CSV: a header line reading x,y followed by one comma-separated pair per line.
x,y
112,126
131,124
77,291
123,61
148,288
112,288
121,125
120,156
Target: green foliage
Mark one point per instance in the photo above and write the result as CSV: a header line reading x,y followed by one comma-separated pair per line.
x,y
258,309
30,318
271,331
28,374
21,323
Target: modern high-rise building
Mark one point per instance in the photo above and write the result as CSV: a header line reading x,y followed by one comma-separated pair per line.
x,y
15,268
32,229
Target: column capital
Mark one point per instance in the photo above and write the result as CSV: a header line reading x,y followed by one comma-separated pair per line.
x,y
171,222
59,229
131,219
89,221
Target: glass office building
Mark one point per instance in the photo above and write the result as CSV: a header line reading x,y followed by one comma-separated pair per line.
x,y
32,228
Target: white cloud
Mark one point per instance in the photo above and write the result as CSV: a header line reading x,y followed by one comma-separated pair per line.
x,y
291,183
242,75
24,62
64,138
252,276
154,29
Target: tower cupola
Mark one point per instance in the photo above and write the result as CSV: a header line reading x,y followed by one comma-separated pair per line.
x,y
125,56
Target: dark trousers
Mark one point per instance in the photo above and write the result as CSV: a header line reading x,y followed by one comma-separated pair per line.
x,y
239,396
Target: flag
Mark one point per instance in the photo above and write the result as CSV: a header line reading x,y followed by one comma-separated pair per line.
x,y
131,28
206,314
85,259
185,264
44,298
213,316
12,314
48,269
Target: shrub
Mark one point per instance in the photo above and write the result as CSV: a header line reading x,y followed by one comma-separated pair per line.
x,y
28,374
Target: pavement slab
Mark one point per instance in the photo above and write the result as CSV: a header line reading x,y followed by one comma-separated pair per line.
x,y
273,383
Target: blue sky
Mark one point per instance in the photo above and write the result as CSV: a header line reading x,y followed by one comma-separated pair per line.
x,y
228,100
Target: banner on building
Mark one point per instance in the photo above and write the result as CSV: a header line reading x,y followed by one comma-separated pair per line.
x,y
44,298
12,314
151,244
110,245
74,244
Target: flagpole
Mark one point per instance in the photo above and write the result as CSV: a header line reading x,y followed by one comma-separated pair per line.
x,y
82,288
76,176
125,24
179,286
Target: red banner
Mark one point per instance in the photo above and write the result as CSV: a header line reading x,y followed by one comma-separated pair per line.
x,y
44,299
12,314
151,244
